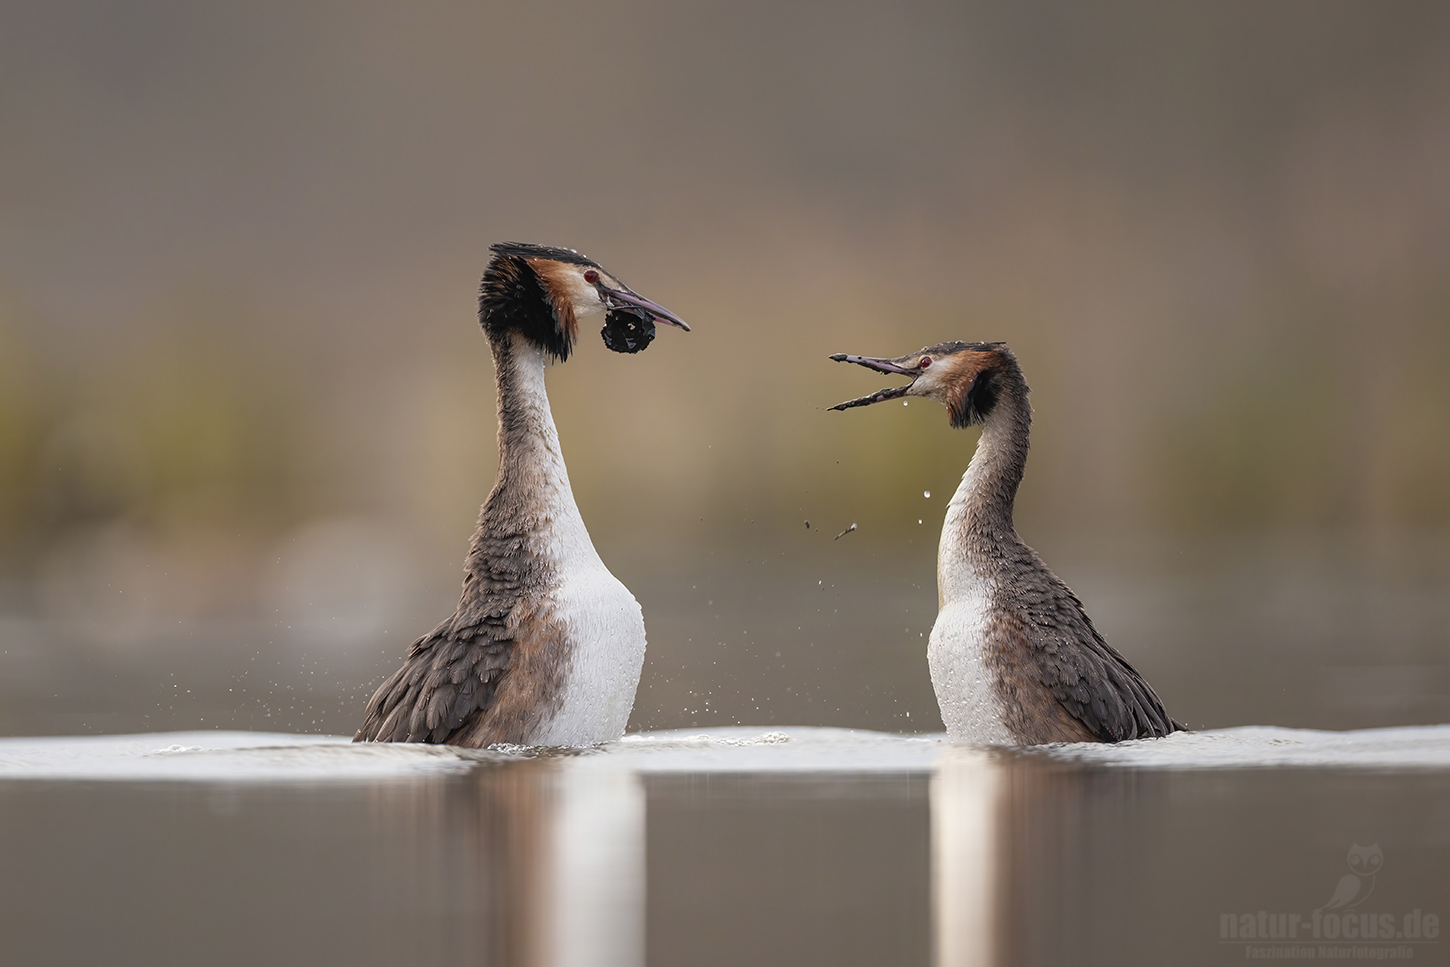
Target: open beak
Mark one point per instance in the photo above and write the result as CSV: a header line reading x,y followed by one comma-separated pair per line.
x,y
627,298
881,366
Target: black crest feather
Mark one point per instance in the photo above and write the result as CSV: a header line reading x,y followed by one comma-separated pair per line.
x,y
527,250
978,401
511,297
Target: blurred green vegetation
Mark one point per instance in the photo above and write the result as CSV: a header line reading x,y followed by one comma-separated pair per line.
x,y
192,422
26,419
203,419
1312,425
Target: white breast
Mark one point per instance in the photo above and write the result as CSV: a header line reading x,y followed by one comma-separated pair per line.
x,y
604,627
964,684
606,634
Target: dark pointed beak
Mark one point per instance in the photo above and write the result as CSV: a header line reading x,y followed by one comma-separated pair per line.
x,y
627,298
881,366
871,362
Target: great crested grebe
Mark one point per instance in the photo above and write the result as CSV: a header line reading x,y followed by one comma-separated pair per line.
x,y
1014,658
546,646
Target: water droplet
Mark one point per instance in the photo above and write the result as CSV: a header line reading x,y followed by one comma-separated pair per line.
x,y
926,494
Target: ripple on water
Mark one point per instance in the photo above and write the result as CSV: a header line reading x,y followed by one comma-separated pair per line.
x,y
260,757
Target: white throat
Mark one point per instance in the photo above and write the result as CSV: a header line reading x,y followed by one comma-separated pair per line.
x,y
957,575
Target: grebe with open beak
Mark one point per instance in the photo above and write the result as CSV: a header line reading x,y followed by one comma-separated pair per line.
x,y
1014,658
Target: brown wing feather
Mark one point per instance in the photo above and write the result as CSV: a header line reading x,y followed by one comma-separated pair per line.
x,y
472,686
451,675
1031,711
1098,695
492,671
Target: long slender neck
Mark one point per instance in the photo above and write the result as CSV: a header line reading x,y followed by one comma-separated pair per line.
x,y
978,535
532,490
528,442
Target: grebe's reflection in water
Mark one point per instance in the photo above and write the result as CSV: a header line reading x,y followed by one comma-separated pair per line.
x,y
546,858
595,906
966,807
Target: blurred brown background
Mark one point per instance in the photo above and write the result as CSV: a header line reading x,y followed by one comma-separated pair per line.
x,y
246,418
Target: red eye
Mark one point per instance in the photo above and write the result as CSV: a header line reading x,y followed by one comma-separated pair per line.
x,y
925,362
591,276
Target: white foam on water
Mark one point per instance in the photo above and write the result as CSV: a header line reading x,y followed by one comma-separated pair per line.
x,y
221,756
262,756
273,757
1265,746
796,749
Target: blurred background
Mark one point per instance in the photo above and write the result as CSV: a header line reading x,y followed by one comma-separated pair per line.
x,y
246,416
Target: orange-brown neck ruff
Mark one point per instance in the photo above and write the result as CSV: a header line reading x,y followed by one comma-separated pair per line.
x,y
564,288
974,379
513,297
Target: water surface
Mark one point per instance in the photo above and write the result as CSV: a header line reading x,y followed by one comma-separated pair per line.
x,y
725,846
